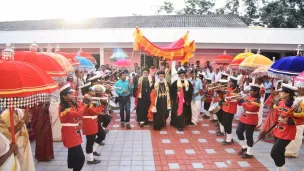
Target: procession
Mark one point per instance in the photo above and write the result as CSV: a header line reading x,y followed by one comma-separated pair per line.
x,y
190,91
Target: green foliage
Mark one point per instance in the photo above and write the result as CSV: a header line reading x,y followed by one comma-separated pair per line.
x,y
273,13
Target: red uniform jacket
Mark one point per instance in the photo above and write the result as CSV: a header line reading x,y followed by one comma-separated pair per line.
x,y
283,130
209,95
230,106
251,107
90,121
71,135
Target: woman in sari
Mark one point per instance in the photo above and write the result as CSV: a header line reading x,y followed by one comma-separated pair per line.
x,y
42,128
272,117
168,73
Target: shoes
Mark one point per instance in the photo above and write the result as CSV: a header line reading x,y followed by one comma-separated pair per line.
x,y
102,144
96,154
246,156
191,123
93,162
180,129
213,120
122,125
128,126
227,143
206,117
242,151
142,124
220,134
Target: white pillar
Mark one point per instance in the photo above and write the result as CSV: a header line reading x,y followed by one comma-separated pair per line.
x,y
101,57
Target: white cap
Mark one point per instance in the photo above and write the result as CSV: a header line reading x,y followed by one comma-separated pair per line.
x,y
209,79
99,88
223,81
288,86
225,74
254,85
233,78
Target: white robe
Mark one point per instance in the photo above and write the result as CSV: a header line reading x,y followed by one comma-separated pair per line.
x,y
25,155
12,163
54,115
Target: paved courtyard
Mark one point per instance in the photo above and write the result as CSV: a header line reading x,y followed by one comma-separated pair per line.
x,y
197,148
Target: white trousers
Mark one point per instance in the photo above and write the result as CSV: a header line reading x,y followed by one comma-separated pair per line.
x,y
196,108
202,107
261,113
293,148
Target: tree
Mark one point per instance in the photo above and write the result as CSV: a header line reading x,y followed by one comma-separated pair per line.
x,y
283,14
231,7
168,7
197,7
273,13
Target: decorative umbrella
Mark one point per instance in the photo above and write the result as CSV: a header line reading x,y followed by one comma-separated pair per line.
x,y
85,63
287,67
255,61
122,63
86,55
45,62
223,59
25,84
61,60
118,54
299,80
71,58
238,59
260,72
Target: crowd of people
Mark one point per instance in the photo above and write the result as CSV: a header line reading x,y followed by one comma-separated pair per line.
x,y
183,93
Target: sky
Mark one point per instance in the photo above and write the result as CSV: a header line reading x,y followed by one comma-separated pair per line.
x,y
80,9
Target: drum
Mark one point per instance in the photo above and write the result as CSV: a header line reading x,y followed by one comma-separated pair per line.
x,y
214,108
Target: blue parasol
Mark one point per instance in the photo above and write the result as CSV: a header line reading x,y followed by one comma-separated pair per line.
x,y
287,67
118,54
84,63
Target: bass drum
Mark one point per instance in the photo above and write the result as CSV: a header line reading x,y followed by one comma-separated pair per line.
x,y
214,108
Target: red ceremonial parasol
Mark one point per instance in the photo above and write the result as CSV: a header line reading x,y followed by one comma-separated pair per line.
x,y
223,59
45,62
25,84
72,59
122,63
86,55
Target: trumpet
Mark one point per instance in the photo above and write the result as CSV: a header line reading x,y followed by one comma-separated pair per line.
x,y
95,100
217,87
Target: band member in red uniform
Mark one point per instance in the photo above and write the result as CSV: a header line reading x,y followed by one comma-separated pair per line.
x,y
229,108
220,99
70,113
90,125
285,131
208,99
248,120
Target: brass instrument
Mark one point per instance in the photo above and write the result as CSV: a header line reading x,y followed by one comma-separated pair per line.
x,y
217,87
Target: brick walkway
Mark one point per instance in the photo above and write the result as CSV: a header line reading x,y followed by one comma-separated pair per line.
x,y
143,149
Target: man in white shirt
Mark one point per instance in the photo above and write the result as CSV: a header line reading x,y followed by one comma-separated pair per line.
x,y
180,67
217,75
268,87
211,75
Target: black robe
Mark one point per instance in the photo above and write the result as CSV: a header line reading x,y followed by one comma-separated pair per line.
x,y
162,113
186,116
144,102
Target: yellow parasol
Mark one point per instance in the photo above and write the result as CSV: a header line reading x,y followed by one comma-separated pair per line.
x,y
255,61
238,59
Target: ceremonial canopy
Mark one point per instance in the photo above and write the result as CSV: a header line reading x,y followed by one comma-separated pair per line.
x,y
179,50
